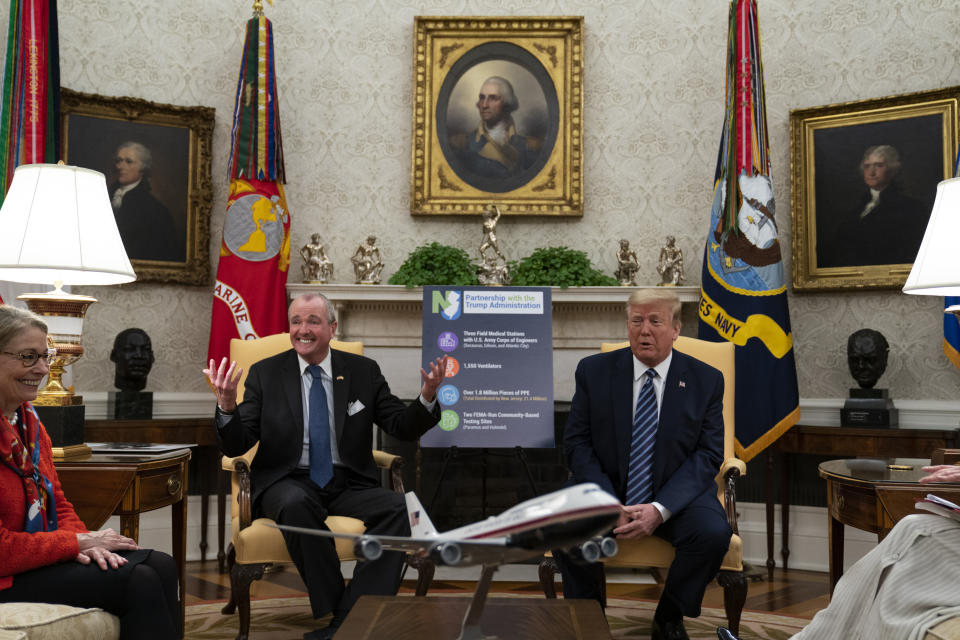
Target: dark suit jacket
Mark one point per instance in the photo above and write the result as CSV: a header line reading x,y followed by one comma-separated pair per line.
x,y
146,226
890,234
689,447
272,413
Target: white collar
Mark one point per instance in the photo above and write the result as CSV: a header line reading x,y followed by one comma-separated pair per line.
x,y
639,368
324,364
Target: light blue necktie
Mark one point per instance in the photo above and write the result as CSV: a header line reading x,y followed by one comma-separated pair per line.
x,y
321,462
643,443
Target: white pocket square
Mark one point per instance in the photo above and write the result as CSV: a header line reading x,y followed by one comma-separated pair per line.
x,y
354,407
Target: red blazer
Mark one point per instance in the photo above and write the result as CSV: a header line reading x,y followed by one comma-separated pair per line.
x,y
20,551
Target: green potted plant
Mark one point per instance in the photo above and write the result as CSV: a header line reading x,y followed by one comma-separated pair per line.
x,y
557,267
436,263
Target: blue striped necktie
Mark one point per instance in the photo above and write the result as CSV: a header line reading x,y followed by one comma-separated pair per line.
x,y
643,443
321,462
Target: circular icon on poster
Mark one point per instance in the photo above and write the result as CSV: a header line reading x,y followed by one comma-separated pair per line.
x,y
449,420
448,394
448,341
453,367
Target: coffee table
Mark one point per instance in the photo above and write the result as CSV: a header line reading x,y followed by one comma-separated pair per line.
x,y
440,617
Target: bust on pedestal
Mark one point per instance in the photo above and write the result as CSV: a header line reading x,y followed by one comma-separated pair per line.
x,y
867,352
133,355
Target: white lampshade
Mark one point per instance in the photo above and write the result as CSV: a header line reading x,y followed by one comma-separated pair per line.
x,y
57,225
936,271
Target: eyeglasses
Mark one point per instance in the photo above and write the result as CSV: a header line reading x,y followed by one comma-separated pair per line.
x,y
29,358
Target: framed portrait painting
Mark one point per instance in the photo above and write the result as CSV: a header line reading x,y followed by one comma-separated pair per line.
x,y
863,180
497,115
157,162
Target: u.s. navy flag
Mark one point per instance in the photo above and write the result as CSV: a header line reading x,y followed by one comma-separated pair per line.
x,y
743,297
250,293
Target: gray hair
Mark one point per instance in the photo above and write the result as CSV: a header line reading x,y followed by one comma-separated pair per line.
x,y
657,295
14,320
889,154
307,297
510,101
146,158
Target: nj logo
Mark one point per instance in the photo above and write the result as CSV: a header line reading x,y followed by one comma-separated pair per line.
x,y
447,304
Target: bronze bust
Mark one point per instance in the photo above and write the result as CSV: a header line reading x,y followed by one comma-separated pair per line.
x,y
867,352
133,355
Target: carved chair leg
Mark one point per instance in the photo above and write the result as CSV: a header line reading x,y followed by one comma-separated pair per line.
x,y
734,585
547,570
231,605
241,575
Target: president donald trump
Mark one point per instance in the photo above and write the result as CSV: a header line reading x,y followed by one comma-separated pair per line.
x,y
646,425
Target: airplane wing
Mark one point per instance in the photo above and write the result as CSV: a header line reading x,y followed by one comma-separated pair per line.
x,y
442,551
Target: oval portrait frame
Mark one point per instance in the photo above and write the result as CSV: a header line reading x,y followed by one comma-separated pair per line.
x,y
509,54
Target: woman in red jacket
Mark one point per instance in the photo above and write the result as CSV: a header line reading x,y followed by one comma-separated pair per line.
x,y
46,554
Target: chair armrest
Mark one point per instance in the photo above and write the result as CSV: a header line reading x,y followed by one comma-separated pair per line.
x,y
394,464
740,465
732,469
945,456
241,470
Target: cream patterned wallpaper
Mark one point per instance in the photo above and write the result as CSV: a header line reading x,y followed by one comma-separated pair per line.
x,y
652,116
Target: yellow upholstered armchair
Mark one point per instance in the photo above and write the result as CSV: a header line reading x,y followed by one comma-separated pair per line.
x,y
656,553
254,544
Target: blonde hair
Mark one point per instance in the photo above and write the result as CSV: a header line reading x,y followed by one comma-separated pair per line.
x,y
13,320
657,295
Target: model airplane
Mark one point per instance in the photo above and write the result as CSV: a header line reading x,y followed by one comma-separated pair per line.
x,y
574,519
568,518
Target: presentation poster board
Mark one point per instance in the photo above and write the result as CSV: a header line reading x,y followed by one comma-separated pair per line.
x,y
498,392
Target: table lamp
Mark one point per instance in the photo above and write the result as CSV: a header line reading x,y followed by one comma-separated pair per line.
x,y
57,226
936,270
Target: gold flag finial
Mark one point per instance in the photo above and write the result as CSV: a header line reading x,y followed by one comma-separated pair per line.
x,y
258,7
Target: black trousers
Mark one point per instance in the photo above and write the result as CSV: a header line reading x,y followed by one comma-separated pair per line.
x,y
296,500
700,535
144,593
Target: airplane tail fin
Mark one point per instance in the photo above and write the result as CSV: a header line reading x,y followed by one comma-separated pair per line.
x,y
420,524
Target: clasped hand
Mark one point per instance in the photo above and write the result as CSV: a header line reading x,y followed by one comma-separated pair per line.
x,y
638,521
98,546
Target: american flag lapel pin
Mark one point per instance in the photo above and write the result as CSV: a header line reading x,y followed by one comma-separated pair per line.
x,y
683,385
339,377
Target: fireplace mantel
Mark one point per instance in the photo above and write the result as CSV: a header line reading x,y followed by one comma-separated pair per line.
x,y
388,319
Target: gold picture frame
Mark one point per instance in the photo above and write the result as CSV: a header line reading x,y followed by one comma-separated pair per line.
x,y
537,169
846,236
164,218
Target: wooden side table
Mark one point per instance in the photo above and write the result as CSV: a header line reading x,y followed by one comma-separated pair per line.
x,y
873,495
102,485
176,430
842,442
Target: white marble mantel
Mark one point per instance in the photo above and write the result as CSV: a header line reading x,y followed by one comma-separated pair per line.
x,y
388,319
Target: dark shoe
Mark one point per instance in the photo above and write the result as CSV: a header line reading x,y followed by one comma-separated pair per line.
x,y
669,630
724,634
328,631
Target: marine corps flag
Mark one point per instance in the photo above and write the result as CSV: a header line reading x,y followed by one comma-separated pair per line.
x,y
743,297
249,296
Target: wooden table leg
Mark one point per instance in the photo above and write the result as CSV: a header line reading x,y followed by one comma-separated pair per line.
x,y
222,481
178,522
204,464
768,495
786,471
130,526
836,552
